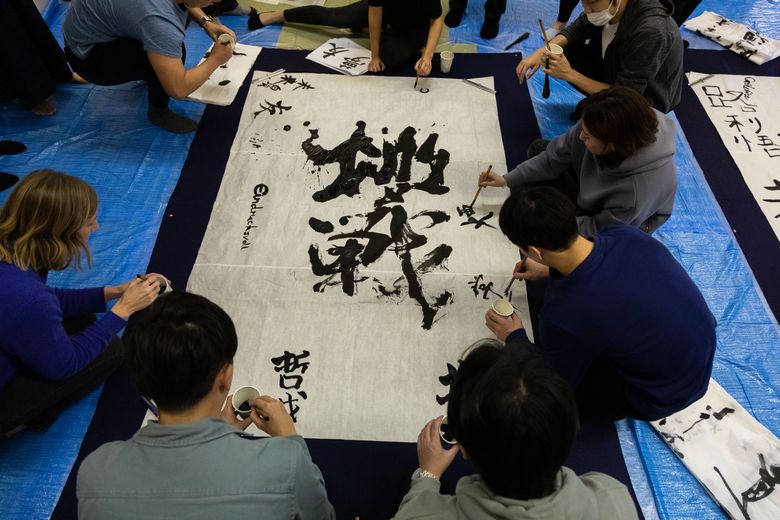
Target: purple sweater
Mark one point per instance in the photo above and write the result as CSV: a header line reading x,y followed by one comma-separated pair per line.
x,y
31,330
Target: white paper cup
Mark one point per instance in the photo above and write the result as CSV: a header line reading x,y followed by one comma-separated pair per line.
x,y
165,284
502,307
446,57
245,393
555,49
446,436
226,39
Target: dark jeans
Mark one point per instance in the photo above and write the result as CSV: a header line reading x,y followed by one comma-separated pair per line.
x,y
493,8
31,59
120,61
396,47
36,403
565,8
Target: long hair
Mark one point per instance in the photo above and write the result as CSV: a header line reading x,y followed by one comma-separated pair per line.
x,y
40,221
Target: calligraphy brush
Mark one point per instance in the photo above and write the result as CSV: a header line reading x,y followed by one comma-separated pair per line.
x,y
546,89
518,40
522,262
481,178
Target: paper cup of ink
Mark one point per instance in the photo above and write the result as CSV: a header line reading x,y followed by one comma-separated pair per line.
x,y
555,49
226,39
447,440
446,57
502,307
165,285
243,398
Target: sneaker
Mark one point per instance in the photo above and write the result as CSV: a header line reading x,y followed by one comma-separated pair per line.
x,y
489,28
453,18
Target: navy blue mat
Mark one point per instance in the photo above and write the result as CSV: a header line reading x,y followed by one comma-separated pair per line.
x,y
751,228
355,487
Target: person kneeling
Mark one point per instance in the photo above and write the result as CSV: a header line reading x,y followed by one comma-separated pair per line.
x,y
195,461
516,419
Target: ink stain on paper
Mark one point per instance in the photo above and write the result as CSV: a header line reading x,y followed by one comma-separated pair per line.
x,y
224,82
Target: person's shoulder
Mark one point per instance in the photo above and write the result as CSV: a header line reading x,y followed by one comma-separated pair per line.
x,y
612,496
22,289
93,469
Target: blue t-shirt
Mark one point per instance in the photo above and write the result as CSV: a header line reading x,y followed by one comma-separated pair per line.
x,y
631,305
158,24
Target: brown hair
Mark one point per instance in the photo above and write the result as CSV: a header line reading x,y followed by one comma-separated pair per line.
x,y
622,117
40,221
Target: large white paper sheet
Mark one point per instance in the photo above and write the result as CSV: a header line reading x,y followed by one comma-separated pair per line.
x,y
223,84
745,111
736,37
735,457
342,55
355,309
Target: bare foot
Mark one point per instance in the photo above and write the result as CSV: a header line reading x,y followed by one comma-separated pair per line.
x,y
78,79
272,17
44,108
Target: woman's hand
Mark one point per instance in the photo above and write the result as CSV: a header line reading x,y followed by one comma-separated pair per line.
x,y
527,67
558,66
431,456
139,294
270,415
376,64
492,179
423,66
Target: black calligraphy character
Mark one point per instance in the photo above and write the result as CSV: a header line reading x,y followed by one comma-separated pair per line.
x,y
757,122
345,266
287,80
479,223
765,142
303,85
466,210
352,62
292,408
296,385
334,49
747,143
271,108
733,121
289,362
762,488
446,380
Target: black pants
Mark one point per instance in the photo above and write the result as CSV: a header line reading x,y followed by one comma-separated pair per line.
x,y
493,8
565,8
120,61
30,58
396,47
683,9
602,395
36,403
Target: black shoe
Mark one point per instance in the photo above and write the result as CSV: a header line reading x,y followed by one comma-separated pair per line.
x,y
453,18
11,147
7,180
253,22
169,120
489,28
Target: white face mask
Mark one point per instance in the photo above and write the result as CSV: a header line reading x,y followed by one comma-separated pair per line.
x,y
602,18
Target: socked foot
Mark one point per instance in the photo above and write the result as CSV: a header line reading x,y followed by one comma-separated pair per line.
x,y
489,28
169,120
259,20
453,18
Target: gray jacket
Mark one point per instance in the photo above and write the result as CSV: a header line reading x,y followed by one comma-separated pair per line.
x,y
646,54
639,191
202,470
593,496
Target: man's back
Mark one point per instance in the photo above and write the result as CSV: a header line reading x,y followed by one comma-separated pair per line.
x,y
631,305
206,469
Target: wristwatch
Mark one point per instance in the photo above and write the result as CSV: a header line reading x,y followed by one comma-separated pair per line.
x,y
423,473
206,18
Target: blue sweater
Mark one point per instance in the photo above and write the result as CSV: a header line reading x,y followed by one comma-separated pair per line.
x,y
31,330
633,306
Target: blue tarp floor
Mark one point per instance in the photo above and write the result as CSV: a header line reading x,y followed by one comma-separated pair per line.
x,y
102,135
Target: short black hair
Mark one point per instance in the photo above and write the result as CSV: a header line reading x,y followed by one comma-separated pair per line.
x,y
176,347
621,116
541,217
515,417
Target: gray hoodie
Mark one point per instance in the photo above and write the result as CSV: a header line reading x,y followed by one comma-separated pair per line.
x,y
639,191
646,54
592,496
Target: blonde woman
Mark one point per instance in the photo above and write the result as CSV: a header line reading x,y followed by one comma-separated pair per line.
x,y
52,350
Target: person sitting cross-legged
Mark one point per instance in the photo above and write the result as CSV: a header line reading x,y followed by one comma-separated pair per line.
x,y
195,461
621,321
516,419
